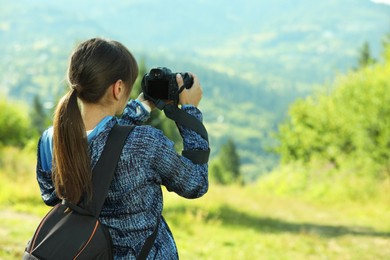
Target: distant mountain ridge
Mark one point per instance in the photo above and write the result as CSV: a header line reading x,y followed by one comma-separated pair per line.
x,y
254,40
254,57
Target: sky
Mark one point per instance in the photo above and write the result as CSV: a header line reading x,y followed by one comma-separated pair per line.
x,y
386,2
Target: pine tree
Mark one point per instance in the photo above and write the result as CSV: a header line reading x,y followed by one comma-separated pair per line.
x,y
365,56
38,115
230,159
225,168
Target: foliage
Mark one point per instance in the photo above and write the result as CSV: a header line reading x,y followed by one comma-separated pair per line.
x,y
319,181
142,70
225,168
232,222
18,186
40,118
249,76
160,121
14,123
350,124
365,56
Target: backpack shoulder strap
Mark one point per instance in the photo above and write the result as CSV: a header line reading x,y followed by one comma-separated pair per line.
x,y
149,242
104,169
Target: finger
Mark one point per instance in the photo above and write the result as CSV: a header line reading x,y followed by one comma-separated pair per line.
x,y
141,97
195,79
179,80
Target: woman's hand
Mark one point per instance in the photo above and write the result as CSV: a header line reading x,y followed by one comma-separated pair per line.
x,y
145,102
191,96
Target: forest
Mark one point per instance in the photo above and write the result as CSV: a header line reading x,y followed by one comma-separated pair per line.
x,y
298,116
258,59
330,194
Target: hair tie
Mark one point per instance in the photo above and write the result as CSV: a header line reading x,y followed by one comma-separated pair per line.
x,y
76,88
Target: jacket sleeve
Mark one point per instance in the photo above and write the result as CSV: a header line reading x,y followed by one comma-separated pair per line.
x,y
134,113
44,176
178,173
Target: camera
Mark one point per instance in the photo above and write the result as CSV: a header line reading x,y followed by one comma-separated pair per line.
x,y
160,84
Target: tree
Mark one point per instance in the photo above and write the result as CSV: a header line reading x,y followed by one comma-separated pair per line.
x,y
351,124
14,124
39,116
230,159
225,168
386,47
142,70
365,57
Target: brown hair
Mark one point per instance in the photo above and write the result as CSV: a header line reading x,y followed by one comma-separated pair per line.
x,y
94,66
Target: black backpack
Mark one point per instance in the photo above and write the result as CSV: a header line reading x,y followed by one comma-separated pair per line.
x,y
71,231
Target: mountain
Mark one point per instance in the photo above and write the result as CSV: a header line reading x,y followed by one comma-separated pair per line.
x,y
254,57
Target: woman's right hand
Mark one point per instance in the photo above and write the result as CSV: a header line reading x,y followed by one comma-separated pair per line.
x,y
191,96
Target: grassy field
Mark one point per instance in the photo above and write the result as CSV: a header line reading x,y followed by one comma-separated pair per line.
x,y
236,223
230,222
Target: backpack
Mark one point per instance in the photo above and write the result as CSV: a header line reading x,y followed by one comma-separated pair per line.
x,y
70,231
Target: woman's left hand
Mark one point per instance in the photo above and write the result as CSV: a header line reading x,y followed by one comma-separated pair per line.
x,y
145,102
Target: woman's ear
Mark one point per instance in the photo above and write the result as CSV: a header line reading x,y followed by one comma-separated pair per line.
x,y
118,89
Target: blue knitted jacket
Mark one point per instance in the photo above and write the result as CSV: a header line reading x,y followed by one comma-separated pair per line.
x,y
135,200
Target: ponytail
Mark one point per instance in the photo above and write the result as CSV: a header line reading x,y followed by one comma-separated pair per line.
x,y
71,160
94,66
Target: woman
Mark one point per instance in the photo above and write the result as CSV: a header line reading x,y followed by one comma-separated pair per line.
x,y
101,74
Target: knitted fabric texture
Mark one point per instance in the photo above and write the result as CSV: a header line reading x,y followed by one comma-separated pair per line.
x,y
135,201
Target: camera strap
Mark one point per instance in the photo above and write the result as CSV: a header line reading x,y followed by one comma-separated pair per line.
x,y
185,119
181,117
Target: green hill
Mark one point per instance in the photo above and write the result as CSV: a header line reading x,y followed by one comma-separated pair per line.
x,y
254,57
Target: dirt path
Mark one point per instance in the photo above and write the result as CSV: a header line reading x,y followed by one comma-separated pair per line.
x,y
16,228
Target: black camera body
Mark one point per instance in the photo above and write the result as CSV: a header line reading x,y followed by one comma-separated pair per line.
x,y
160,84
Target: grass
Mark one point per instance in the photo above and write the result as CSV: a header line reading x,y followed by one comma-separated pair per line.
x,y
243,223
229,222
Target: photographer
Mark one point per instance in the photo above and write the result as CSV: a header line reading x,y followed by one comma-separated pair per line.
x,y
101,74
